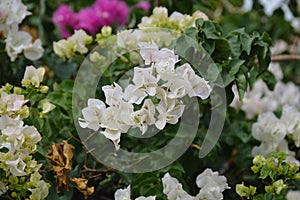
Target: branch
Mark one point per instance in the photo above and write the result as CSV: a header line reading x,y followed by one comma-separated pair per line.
x,y
283,57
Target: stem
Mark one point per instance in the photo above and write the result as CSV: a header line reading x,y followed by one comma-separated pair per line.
x,y
283,57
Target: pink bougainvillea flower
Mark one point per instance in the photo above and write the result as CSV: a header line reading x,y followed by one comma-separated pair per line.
x,y
101,13
114,12
63,17
145,5
88,20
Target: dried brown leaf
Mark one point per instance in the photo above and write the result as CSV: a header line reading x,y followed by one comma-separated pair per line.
x,y
61,158
81,185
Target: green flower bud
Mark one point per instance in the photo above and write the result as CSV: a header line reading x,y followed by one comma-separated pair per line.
x,y
106,31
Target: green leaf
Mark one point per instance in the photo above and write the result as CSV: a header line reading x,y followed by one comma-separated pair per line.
x,y
264,172
246,41
260,197
210,30
241,83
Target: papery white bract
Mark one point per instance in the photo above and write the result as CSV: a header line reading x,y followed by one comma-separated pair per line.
x,y
145,116
92,114
210,183
293,195
173,189
3,188
76,43
147,51
268,128
80,38
16,166
124,194
113,94
21,41
12,12
208,177
33,77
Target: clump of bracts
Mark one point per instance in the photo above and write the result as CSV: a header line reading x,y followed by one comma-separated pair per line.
x,y
12,13
91,19
211,185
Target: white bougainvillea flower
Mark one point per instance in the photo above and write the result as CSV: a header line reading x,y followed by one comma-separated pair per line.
x,y
63,48
144,78
145,116
34,51
173,189
296,136
293,195
165,60
92,114
170,110
21,41
117,120
258,100
46,107
291,118
12,12
113,94
267,147
208,177
269,128
210,193
147,51
33,77
76,43
185,81
146,198
271,6
199,88
3,188
31,134
134,94
122,116
40,192
275,69
284,91
10,103
9,126
124,194
16,42
16,166
80,38
160,12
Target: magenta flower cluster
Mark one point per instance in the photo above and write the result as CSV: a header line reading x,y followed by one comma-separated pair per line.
x,y
91,19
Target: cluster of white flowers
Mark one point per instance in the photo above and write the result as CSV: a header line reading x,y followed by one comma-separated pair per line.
x,y
271,6
12,13
176,21
260,99
271,131
76,43
210,183
18,142
161,81
159,27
